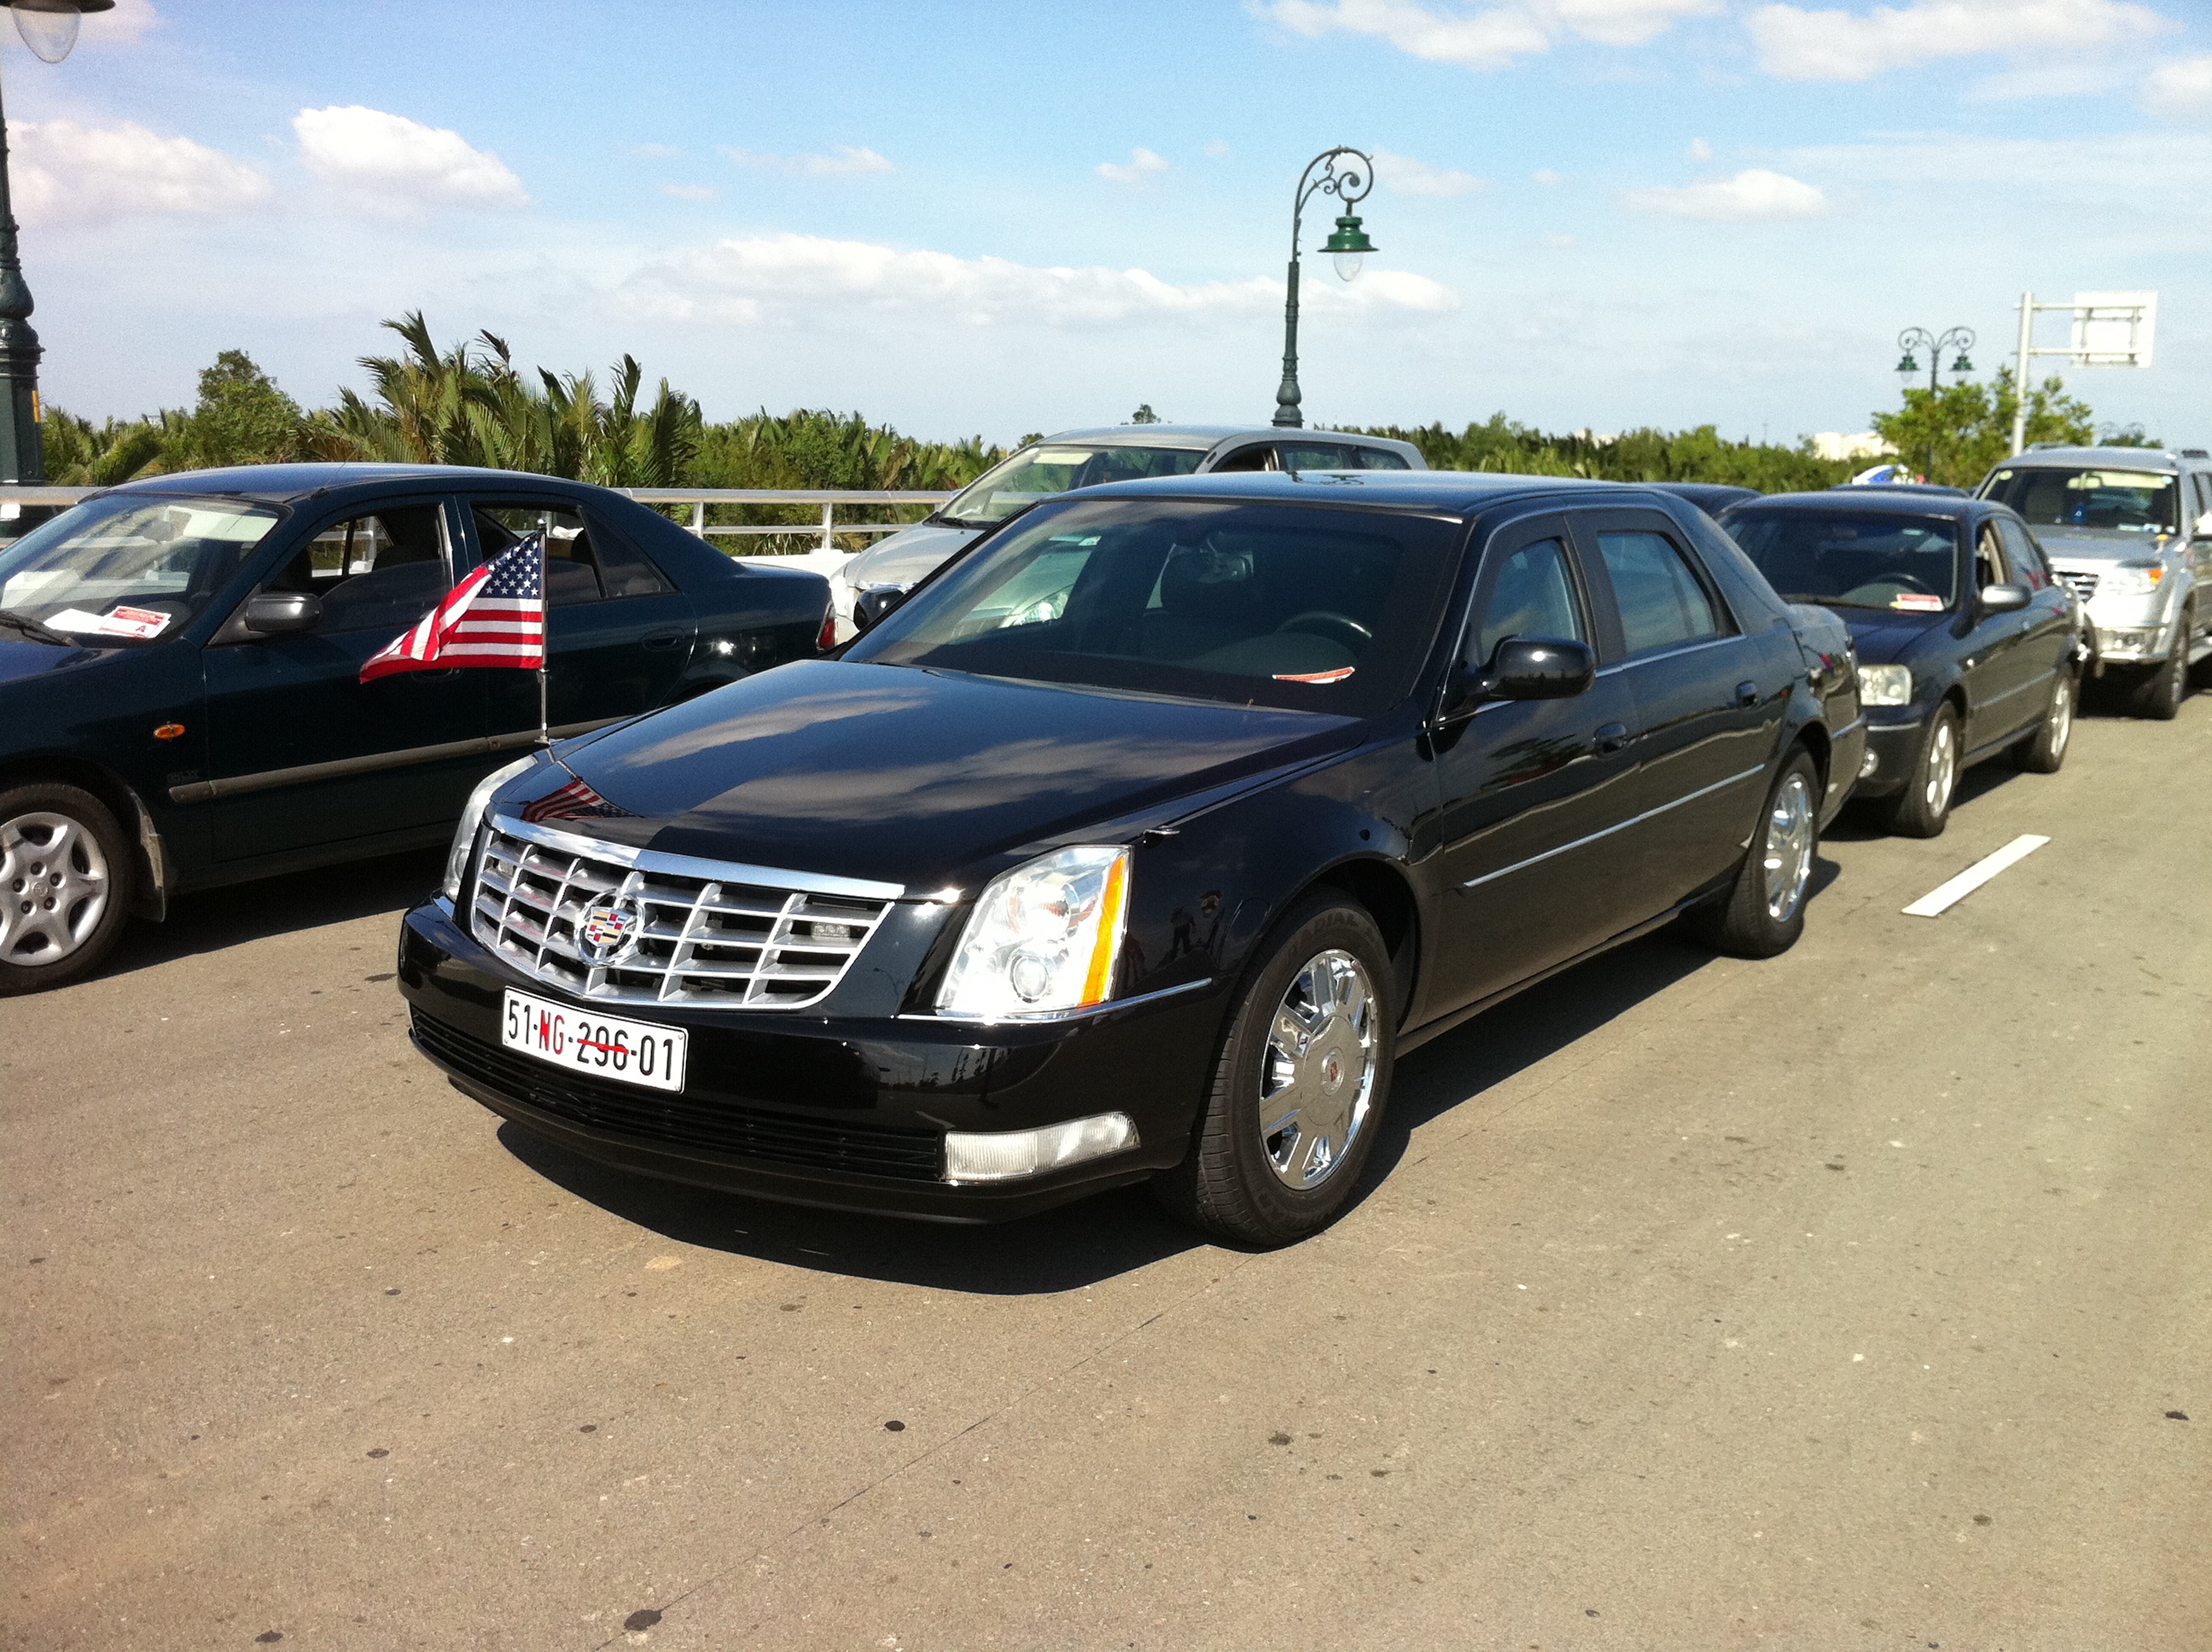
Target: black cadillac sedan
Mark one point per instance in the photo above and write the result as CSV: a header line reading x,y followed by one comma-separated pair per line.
x,y
1137,844
180,702
1968,646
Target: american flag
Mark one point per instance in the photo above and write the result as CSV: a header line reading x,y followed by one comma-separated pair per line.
x,y
574,801
495,616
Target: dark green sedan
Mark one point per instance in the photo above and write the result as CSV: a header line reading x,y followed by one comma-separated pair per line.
x,y
179,660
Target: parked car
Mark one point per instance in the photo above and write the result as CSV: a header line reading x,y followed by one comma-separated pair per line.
x,y
1711,497
1967,647
2130,530
180,705
1085,458
997,907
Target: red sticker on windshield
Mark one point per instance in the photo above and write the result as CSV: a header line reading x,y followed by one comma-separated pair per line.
x,y
1337,675
1918,602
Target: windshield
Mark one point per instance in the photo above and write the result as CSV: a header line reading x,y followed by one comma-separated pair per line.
x,y
2123,502
1297,607
1840,560
1055,468
127,569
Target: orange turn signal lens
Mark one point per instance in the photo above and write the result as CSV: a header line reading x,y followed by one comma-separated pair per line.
x,y
168,730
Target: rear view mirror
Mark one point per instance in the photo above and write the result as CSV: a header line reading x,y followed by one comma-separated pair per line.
x,y
870,604
279,613
1524,668
2005,599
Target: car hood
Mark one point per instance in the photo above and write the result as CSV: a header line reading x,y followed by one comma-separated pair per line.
x,y
904,557
19,657
917,777
2065,546
1883,637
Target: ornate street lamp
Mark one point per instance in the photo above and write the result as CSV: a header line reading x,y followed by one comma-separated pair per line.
x,y
49,29
1348,246
1913,338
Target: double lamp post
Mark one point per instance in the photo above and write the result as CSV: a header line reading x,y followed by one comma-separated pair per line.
x,y
49,29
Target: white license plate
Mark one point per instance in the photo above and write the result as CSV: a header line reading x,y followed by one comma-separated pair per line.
x,y
600,1046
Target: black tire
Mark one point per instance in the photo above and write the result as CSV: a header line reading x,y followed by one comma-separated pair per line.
x,y
1763,912
1923,808
2043,751
67,876
1231,1185
2158,694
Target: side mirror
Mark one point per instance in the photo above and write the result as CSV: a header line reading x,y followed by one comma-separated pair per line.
x,y
2005,599
1523,668
871,602
280,613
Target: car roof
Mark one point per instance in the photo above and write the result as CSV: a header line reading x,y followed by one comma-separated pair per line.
x,y
282,483
1201,437
1874,501
1455,493
2102,459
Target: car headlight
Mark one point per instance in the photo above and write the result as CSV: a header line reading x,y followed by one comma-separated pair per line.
x,y
1044,937
2132,580
1885,685
472,813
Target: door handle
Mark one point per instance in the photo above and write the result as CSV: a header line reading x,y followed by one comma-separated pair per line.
x,y
1609,738
1746,694
664,639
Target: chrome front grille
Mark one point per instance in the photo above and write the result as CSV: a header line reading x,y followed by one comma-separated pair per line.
x,y
2083,585
693,931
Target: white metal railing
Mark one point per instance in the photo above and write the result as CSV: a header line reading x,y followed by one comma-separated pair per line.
x,y
826,500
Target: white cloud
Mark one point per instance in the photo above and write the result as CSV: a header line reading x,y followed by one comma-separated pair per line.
x,y
1405,176
64,172
1754,196
1700,151
689,191
1484,37
1142,167
847,161
790,277
397,166
2180,88
1546,177
1794,44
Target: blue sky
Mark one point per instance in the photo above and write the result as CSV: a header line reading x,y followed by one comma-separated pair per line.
x,y
994,219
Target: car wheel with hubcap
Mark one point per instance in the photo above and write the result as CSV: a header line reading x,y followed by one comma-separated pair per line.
x,y
1763,912
1299,1086
1923,808
65,878
2159,695
2043,751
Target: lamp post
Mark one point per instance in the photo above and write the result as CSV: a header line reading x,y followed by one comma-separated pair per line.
x,y
49,29
1348,244
1913,338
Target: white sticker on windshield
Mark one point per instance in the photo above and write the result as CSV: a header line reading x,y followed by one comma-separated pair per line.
x,y
1918,602
141,623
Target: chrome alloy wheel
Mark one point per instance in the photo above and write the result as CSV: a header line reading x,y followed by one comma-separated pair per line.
x,y
1941,770
2062,716
1317,1077
1789,848
54,886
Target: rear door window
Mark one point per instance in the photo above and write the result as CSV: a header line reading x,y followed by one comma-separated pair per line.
x,y
580,565
1661,602
1379,459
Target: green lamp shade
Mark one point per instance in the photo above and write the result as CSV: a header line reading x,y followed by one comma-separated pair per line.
x,y
1962,367
1906,364
1349,237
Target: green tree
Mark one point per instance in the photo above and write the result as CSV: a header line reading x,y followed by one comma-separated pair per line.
x,y
1955,435
81,454
241,417
1144,414
1646,454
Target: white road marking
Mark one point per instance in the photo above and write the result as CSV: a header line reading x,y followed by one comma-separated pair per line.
x,y
1946,895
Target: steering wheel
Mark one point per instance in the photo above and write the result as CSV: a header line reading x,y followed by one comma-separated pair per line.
x,y
1324,622
1906,578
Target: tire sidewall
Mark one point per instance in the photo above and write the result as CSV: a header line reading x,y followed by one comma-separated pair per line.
x,y
1913,818
1317,924
95,817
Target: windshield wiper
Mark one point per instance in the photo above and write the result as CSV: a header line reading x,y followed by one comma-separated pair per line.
x,y
30,628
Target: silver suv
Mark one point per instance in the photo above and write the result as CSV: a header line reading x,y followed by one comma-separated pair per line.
x,y
2130,529
1086,459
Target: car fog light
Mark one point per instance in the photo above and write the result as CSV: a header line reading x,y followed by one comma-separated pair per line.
x,y
1009,1155
1868,764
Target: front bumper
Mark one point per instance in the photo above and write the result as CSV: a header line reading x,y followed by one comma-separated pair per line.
x,y
850,1115
1892,749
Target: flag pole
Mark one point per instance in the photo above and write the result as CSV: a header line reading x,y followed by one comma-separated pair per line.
x,y
545,642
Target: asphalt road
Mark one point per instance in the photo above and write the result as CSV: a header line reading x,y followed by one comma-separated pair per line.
x,y
1843,1301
